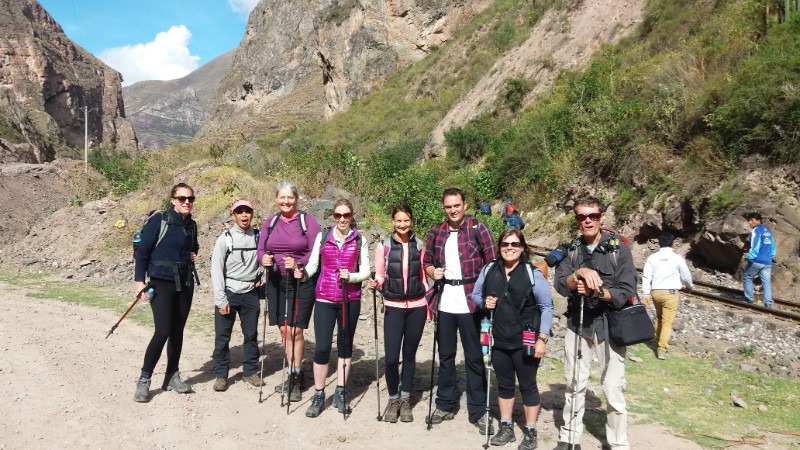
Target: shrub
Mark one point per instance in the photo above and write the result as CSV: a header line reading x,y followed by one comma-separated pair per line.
x,y
513,92
626,202
467,143
726,199
125,174
421,190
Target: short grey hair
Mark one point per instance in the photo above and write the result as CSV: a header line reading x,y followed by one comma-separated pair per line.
x,y
283,185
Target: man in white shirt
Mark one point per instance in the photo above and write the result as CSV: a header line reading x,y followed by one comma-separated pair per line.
x,y
665,272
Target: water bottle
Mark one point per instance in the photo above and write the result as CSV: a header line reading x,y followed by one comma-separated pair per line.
x,y
485,338
144,300
137,240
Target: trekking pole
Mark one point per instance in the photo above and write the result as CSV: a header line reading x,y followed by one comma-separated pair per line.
x,y
263,351
438,288
264,280
138,296
377,357
577,372
487,360
346,332
295,301
285,332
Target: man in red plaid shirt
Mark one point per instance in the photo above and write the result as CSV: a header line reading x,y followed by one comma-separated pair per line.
x,y
456,250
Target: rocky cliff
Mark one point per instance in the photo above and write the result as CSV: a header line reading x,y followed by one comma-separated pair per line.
x,y
308,59
169,112
45,82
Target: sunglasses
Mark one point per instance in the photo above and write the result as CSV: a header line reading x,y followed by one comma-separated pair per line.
x,y
243,211
184,199
511,244
594,216
338,216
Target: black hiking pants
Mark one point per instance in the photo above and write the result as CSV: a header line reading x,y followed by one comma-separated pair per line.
x,y
170,311
248,308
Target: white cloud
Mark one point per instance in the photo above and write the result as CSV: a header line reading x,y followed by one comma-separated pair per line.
x,y
243,7
165,58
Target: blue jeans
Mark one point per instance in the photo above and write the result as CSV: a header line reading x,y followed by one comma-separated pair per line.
x,y
765,272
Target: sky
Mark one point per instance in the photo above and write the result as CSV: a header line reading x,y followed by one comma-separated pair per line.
x,y
153,39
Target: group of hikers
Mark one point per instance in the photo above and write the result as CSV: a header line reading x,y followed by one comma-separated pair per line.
x,y
484,290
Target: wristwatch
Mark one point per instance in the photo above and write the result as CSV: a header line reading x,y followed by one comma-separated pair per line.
x,y
601,294
542,338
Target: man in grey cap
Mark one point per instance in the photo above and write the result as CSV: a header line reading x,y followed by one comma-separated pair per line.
x,y
235,277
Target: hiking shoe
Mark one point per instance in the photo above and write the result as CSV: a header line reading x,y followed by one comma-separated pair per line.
x,y
661,354
504,435
254,379
567,446
481,424
174,383
298,384
317,405
439,416
529,441
339,401
405,410
392,411
142,394
221,384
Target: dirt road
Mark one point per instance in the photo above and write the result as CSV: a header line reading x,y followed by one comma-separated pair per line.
x,y
64,385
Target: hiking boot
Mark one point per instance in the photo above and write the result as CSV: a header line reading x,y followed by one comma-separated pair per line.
x,y
254,379
285,385
142,394
392,411
661,354
529,441
317,405
174,383
339,401
566,446
439,416
405,410
298,384
481,425
504,435
221,384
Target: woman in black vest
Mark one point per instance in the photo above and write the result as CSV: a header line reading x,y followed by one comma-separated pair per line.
x,y
399,274
521,300
168,259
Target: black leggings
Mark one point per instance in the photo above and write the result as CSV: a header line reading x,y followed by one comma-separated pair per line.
x,y
170,311
325,316
402,328
508,362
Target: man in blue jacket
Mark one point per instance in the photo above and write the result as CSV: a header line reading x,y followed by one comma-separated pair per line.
x,y
759,259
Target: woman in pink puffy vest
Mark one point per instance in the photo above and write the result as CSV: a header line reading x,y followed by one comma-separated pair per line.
x,y
340,255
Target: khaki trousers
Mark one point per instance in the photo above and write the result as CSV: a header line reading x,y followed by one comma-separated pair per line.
x,y
666,303
613,390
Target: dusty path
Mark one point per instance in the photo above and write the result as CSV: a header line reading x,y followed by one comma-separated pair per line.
x,y
64,385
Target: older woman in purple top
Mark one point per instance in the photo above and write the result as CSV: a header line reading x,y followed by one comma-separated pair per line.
x,y
286,241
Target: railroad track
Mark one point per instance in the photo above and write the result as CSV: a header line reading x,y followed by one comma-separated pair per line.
x,y
783,309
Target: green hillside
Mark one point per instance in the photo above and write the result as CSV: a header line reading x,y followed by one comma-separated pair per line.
x,y
672,109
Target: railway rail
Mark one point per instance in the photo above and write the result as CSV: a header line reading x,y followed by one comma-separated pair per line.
x,y
783,309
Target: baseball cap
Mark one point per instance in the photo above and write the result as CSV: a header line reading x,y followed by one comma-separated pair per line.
x,y
239,203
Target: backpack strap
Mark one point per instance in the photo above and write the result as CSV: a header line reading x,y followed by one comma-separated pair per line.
x,y
230,248
274,221
474,225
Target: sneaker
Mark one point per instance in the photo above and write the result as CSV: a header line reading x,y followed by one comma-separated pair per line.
x,y
528,439
254,379
405,410
439,416
317,405
504,435
661,354
481,425
339,401
142,394
767,305
392,411
566,446
221,384
174,383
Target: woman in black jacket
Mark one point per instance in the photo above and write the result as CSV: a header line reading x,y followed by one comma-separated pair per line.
x,y
166,254
520,298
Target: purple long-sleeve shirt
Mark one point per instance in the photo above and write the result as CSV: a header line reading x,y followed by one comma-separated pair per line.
x,y
287,239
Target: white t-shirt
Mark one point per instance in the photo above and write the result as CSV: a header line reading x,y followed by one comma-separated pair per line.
x,y
454,300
